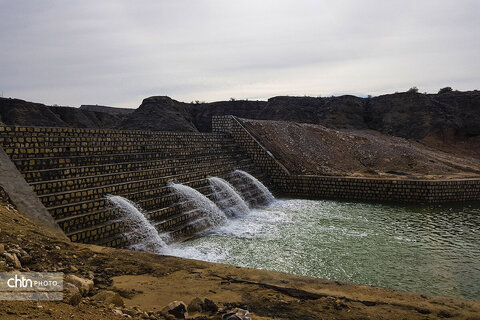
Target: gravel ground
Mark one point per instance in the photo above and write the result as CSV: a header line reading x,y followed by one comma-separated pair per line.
x,y
315,149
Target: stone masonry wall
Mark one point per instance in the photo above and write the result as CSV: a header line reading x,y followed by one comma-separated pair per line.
x,y
345,187
71,170
262,158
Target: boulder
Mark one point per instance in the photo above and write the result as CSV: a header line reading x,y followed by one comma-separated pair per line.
x,y
84,285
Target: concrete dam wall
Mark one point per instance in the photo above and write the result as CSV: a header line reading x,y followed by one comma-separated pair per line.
x,y
72,170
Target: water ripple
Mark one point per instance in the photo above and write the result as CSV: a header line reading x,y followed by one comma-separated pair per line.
x,y
429,249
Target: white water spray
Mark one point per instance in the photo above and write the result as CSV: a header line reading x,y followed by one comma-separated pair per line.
x,y
142,234
212,215
260,186
227,198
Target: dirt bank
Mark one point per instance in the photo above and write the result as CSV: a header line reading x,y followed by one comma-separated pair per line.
x,y
315,149
148,282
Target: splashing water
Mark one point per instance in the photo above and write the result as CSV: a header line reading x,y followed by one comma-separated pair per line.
x,y
142,234
227,198
267,195
212,215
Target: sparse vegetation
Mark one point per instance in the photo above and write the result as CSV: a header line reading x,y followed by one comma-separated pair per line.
x,y
413,90
445,90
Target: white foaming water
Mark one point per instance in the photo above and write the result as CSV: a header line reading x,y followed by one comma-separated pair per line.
x,y
211,213
259,223
204,252
227,197
255,182
142,235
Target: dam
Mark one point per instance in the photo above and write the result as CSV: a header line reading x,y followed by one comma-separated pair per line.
x,y
72,170
151,190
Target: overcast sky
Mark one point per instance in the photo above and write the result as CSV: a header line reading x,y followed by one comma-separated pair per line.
x,y
119,52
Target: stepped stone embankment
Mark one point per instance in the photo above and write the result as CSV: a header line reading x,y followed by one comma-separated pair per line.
x,y
71,170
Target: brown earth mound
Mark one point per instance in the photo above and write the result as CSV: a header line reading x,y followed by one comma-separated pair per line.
x,y
145,283
317,150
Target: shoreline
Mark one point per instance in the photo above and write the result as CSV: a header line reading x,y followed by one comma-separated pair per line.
x,y
147,282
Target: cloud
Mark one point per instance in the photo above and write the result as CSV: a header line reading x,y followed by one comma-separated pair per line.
x,y
118,52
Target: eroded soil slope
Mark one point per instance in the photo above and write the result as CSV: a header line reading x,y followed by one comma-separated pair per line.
x,y
315,149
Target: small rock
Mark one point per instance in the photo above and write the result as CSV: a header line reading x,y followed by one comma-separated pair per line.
x,y
176,308
84,285
109,297
339,305
12,259
131,312
2,248
71,294
73,268
238,314
26,258
195,305
118,312
57,247
209,306
90,275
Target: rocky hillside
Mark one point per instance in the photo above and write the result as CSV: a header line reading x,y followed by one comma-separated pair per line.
x,y
408,115
450,115
316,149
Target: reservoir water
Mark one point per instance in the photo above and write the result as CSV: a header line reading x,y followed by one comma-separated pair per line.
x,y
432,249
